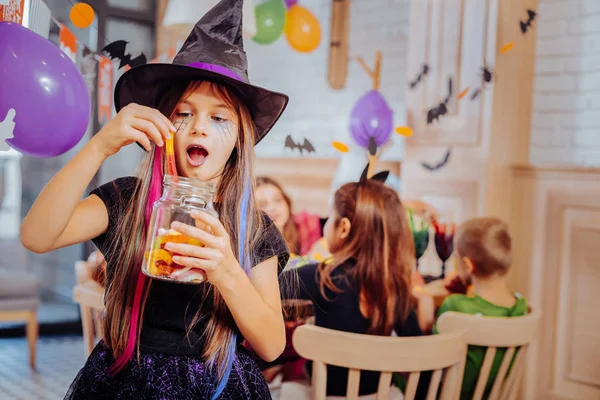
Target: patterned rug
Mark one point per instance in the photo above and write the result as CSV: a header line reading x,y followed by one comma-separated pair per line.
x,y
58,361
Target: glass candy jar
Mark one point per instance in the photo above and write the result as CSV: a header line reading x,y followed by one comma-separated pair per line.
x,y
179,198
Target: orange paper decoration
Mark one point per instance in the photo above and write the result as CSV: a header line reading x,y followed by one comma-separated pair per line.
x,y
341,147
404,131
507,47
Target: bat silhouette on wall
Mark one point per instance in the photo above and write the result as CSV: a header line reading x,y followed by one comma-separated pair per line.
x,y
441,109
306,145
525,25
487,75
117,50
441,164
419,77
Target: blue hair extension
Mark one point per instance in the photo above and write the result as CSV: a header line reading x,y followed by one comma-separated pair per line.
x,y
244,258
245,204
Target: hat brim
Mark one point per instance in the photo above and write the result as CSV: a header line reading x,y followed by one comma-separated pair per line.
x,y
144,84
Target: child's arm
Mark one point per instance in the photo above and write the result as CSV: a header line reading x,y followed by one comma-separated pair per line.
x,y
425,309
255,303
59,217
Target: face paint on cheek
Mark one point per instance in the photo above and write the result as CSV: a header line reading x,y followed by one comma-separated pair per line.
x,y
225,128
181,123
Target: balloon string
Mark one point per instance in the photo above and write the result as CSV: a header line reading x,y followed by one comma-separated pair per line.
x,y
375,74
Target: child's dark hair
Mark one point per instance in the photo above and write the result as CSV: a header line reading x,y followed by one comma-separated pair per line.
x,y
381,244
486,242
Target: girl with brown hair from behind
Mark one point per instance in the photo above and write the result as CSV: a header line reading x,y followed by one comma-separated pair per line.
x,y
365,286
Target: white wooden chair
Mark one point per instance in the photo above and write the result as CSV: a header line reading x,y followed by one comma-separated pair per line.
x,y
356,352
512,333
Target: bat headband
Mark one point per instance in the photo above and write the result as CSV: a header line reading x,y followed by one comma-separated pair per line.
x,y
379,177
213,51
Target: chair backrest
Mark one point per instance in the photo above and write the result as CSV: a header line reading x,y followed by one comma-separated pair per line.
x,y
513,333
385,354
13,255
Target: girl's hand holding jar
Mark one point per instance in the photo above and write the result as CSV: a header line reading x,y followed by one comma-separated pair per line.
x,y
214,257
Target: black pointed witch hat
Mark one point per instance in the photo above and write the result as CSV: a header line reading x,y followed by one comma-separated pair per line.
x,y
213,51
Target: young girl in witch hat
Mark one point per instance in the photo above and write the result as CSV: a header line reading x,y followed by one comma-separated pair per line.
x,y
161,339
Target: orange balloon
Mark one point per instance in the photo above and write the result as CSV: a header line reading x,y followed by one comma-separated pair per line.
x,y
302,29
82,15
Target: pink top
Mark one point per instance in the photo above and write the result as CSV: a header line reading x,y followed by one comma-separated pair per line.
x,y
309,230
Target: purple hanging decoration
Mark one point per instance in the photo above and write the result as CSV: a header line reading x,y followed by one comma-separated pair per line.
x,y
371,121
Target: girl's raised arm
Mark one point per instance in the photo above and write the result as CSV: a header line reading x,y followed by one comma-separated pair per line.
x,y
59,217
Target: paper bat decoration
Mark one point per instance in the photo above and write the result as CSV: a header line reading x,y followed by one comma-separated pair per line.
x,y
419,77
441,109
487,75
439,165
525,25
291,144
117,50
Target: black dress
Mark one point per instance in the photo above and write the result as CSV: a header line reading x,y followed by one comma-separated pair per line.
x,y
170,364
340,312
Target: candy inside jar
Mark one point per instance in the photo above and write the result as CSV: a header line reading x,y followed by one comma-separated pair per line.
x,y
160,260
180,197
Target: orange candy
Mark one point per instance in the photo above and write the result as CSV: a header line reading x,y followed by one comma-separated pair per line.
x,y
161,260
159,255
160,269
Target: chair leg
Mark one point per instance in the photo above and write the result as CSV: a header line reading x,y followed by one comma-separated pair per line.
x,y
32,331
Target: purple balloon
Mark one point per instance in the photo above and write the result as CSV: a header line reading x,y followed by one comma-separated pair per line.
x,y
290,3
371,117
45,89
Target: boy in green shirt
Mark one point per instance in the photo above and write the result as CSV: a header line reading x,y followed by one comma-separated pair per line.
x,y
483,253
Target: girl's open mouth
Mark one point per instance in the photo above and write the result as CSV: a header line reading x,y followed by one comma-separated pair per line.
x,y
196,155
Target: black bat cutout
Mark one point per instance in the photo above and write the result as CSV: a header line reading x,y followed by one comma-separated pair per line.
x,y
306,145
441,109
440,164
487,75
419,77
525,25
117,50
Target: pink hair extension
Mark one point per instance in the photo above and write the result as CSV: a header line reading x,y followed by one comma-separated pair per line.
x,y
155,183
153,195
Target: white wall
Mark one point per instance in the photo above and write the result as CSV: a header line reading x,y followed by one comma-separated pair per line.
x,y
566,107
316,111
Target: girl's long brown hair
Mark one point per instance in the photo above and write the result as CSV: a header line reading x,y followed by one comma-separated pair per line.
x,y
130,235
290,231
381,244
